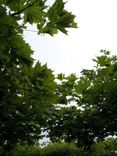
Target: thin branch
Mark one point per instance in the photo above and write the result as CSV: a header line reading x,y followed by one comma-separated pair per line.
x,y
23,9
32,30
10,88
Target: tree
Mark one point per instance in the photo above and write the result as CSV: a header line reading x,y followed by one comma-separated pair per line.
x,y
98,88
27,90
95,94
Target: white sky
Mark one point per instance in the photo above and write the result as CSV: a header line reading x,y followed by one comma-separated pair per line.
x,y
97,21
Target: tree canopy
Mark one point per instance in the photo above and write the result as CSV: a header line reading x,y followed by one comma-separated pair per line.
x,y
95,94
27,90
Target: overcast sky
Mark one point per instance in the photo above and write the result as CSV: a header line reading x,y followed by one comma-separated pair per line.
x,y
97,21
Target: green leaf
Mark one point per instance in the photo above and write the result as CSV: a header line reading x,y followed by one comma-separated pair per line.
x,y
55,10
34,14
2,11
66,20
8,20
82,85
49,30
62,29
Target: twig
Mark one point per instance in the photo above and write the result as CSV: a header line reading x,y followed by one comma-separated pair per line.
x,y
32,30
20,11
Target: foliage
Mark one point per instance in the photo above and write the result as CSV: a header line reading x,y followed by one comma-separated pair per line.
x,y
62,149
48,19
100,96
107,147
58,149
27,90
65,88
25,101
95,94
25,150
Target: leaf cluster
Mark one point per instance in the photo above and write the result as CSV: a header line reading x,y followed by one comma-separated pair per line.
x,y
48,19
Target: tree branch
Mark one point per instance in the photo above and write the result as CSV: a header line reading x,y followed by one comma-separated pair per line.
x,y
23,9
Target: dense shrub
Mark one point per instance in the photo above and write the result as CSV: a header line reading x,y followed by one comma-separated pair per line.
x,y
26,151
105,148
62,149
54,149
